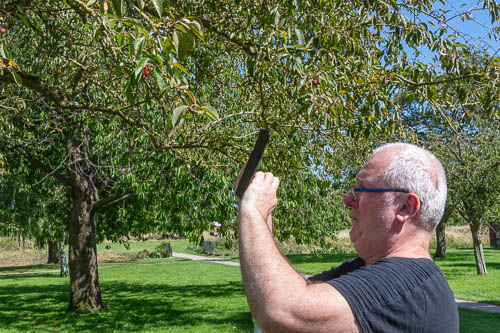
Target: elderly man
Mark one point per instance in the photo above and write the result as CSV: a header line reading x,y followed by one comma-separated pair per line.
x,y
393,286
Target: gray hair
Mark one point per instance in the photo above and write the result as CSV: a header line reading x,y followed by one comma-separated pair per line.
x,y
417,170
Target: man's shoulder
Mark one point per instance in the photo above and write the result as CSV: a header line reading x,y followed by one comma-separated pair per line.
x,y
388,279
391,288
336,271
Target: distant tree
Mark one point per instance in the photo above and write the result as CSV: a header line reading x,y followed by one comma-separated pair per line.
x,y
441,233
474,173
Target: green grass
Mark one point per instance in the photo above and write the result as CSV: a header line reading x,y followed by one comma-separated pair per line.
x,y
158,295
177,295
460,271
472,321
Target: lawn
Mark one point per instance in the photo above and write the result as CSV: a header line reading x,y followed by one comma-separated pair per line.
x,y
158,295
176,295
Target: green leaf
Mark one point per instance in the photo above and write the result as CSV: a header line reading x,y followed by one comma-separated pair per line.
x,y
161,82
3,50
300,36
186,44
118,7
17,78
140,4
138,44
131,21
158,6
251,67
140,66
176,114
24,19
179,66
181,27
128,90
211,112
276,17
196,29
175,42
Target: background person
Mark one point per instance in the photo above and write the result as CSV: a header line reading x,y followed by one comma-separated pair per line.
x,y
393,286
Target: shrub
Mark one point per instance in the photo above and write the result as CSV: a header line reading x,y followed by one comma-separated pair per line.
x,y
164,250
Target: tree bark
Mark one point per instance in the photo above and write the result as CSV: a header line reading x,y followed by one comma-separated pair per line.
x,y
64,262
478,249
441,234
53,252
83,272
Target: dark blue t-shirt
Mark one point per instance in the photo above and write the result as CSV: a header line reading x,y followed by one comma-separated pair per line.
x,y
396,295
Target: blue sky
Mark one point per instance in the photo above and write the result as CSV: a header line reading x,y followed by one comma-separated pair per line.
x,y
475,31
472,31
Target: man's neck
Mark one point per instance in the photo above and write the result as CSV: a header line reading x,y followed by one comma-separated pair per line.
x,y
404,250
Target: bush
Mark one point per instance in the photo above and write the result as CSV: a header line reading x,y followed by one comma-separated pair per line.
x,y
164,250
144,254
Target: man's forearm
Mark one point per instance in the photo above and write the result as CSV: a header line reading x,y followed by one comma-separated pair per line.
x,y
267,276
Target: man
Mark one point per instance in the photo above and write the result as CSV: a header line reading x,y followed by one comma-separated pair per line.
x,y
394,286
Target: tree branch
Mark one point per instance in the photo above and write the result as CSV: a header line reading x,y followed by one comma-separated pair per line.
x,y
110,200
430,83
42,166
247,48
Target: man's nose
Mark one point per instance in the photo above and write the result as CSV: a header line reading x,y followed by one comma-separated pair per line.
x,y
349,201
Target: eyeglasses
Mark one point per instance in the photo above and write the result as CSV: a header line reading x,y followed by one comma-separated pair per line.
x,y
355,190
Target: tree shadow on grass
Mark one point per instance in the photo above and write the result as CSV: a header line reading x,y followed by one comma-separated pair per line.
x,y
464,258
131,307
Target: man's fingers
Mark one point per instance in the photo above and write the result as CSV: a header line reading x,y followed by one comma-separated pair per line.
x,y
276,182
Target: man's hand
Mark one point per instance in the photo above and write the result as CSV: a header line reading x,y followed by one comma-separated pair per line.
x,y
260,196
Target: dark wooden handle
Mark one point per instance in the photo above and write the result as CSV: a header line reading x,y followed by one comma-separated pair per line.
x,y
253,162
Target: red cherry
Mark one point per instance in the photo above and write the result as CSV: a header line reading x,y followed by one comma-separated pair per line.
x,y
2,31
146,73
311,100
146,68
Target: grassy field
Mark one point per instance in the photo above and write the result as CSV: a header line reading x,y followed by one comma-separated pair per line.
x,y
157,295
176,295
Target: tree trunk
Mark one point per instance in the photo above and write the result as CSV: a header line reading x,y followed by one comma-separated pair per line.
x,y
84,278
53,252
64,262
478,249
440,241
441,234
83,273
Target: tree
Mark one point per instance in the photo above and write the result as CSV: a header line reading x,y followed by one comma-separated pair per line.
x,y
474,173
121,100
441,233
465,138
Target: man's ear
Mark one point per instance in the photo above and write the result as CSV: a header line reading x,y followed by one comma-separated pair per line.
x,y
410,207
